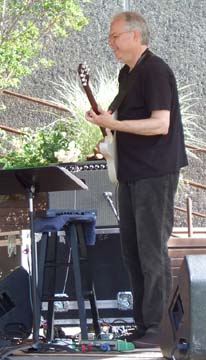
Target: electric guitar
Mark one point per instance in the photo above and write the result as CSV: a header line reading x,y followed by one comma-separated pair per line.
x,y
107,147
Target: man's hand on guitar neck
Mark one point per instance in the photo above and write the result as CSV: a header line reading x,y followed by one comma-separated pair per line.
x,y
103,119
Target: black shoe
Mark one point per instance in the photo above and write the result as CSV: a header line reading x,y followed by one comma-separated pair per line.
x,y
148,341
133,334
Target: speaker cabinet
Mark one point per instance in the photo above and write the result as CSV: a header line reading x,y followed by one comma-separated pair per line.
x,y
183,334
15,305
99,195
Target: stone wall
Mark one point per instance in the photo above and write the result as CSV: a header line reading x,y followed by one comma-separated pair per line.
x,y
178,34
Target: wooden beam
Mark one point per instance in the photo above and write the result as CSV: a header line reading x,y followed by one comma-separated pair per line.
x,y
37,100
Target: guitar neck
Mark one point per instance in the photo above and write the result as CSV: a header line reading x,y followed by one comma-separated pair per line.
x,y
94,105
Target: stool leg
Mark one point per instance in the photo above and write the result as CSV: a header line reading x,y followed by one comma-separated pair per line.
x,y
41,256
90,285
88,275
53,238
50,321
94,311
78,283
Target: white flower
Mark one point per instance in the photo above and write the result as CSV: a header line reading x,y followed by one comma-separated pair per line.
x,y
70,155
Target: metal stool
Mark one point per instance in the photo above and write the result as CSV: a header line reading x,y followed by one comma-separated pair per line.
x,y
79,238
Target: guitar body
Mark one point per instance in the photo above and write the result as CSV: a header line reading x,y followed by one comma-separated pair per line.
x,y
108,146
108,150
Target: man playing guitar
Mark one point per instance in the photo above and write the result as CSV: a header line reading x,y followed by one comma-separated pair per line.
x,y
150,153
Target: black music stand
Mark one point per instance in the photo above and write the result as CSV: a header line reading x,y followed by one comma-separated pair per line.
x,y
30,181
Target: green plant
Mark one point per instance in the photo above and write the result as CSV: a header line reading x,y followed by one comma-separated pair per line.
x,y
24,27
42,146
49,144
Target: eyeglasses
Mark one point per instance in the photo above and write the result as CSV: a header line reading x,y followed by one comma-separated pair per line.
x,y
116,36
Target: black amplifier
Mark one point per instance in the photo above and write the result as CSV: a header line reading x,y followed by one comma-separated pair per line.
x,y
101,194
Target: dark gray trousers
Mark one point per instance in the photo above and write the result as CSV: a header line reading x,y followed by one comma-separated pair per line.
x,y
146,210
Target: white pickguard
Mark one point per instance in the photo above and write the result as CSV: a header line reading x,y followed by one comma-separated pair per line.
x,y
108,150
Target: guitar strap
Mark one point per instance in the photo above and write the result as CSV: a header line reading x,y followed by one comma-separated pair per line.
x,y
123,92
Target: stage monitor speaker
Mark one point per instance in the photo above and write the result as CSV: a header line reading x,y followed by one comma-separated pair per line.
x,y
183,333
15,305
101,193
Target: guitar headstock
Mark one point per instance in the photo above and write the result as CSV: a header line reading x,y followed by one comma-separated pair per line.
x,y
83,71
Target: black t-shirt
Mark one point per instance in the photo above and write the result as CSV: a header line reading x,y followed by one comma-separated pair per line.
x,y
153,88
